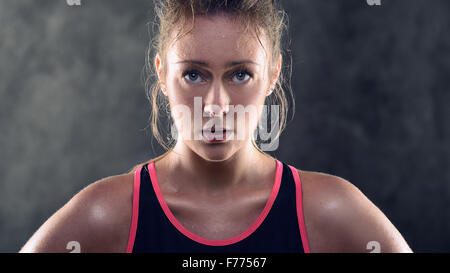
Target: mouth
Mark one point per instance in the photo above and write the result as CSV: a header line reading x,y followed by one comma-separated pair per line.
x,y
216,136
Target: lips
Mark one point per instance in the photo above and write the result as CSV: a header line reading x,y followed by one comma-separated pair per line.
x,y
216,131
216,135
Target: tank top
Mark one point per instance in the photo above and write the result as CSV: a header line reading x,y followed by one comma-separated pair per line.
x,y
279,228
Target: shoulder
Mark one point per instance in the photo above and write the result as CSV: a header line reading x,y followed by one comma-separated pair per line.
x,y
340,218
97,218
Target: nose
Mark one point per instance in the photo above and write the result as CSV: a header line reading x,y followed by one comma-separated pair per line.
x,y
216,101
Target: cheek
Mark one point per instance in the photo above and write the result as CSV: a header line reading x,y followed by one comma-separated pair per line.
x,y
181,100
183,121
253,95
177,91
182,114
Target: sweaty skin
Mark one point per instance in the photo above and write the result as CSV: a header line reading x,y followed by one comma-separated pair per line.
x,y
207,184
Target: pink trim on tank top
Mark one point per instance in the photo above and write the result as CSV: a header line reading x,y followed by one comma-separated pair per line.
x,y
240,237
300,218
135,212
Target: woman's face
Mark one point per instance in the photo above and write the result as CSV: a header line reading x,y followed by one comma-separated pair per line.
x,y
217,77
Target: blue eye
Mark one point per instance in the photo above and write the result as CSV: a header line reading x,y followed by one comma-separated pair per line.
x,y
242,76
192,76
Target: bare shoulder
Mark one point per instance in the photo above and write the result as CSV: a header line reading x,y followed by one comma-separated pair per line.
x,y
97,219
340,218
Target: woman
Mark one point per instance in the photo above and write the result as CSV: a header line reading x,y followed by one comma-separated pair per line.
x,y
215,190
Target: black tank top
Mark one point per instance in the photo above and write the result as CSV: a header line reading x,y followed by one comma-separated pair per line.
x,y
279,228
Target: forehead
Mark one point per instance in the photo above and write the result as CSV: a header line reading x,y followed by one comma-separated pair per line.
x,y
217,40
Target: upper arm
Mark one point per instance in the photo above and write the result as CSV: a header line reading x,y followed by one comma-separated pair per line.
x,y
340,218
96,218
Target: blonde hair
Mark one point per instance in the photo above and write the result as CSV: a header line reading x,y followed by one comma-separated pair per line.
x,y
257,14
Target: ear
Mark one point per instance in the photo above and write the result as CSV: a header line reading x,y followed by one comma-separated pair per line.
x,y
275,73
159,72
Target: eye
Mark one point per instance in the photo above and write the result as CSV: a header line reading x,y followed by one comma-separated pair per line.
x,y
192,76
242,75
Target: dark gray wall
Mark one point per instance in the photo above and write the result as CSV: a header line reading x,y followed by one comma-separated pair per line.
x,y
371,87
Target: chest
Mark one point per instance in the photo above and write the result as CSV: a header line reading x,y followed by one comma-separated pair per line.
x,y
218,219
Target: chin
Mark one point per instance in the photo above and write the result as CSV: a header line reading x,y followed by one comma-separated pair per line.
x,y
217,152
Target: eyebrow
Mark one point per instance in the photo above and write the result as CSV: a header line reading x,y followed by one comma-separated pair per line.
x,y
230,64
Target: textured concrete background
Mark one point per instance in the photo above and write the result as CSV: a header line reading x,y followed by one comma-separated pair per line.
x,y
371,87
